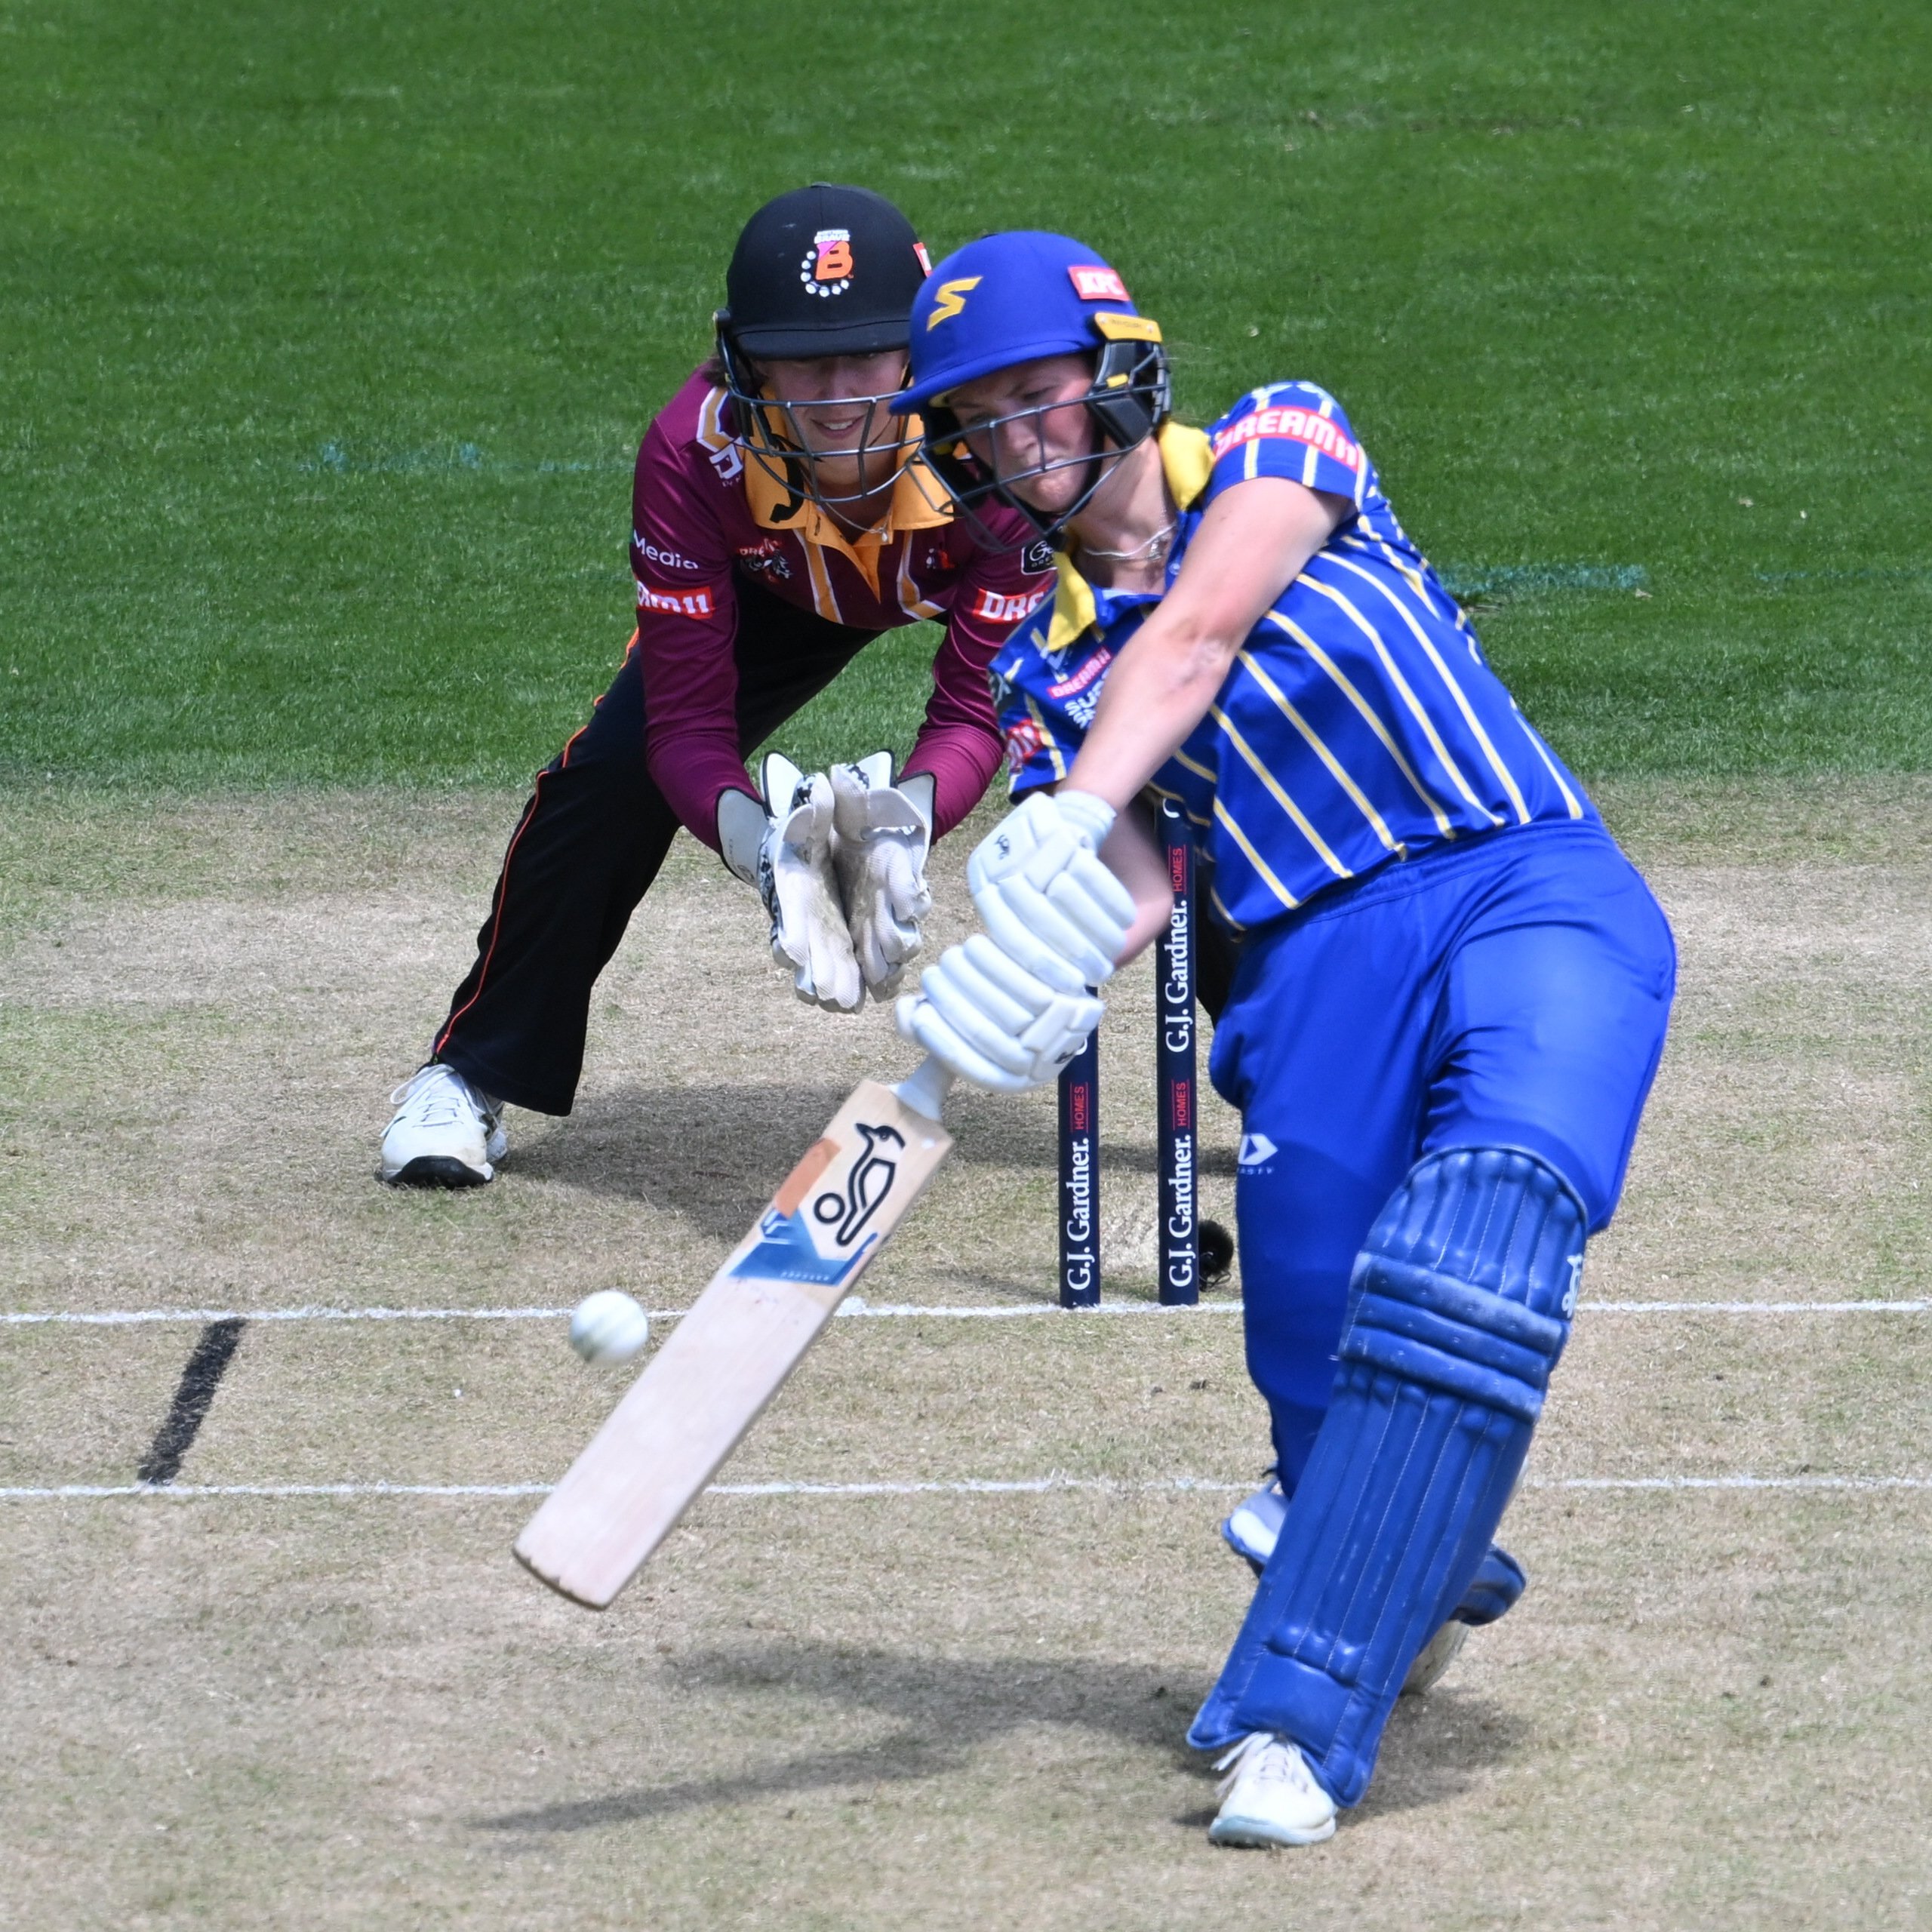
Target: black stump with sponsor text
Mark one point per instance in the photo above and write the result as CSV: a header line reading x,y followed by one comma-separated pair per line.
x,y
1078,1198
1180,1234
1179,1237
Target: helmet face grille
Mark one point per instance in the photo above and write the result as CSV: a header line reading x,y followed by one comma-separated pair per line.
x,y
1129,397
767,428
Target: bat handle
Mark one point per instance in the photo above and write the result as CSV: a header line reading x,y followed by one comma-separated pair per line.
x,y
924,1089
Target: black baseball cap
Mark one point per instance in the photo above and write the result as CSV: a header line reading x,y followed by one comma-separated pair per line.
x,y
823,271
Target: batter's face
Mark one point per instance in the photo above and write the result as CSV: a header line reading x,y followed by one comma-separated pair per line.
x,y
832,396
1030,424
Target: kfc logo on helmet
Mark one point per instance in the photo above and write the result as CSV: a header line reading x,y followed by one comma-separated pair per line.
x,y
827,270
1099,283
924,260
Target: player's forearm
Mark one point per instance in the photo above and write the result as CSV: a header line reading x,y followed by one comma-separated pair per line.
x,y
691,692
1130,854
1157,690
1253,541
959,741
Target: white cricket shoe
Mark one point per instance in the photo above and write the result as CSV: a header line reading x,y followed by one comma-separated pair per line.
x,y
1270,1795
1253,1528
445,1133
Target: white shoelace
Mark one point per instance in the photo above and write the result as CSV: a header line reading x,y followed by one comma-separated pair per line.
x,y
1272,1758
437,1096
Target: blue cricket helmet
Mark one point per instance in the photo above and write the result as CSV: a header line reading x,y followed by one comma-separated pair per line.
x,y
1012,298
1017,297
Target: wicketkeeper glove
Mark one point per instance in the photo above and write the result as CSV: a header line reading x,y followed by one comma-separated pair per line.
x,y
787,856
881,833
983,1015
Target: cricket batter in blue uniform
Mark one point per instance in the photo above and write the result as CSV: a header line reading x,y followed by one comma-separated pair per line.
x,y
1452,986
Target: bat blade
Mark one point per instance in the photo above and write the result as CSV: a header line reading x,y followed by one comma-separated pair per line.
x,y
730,1353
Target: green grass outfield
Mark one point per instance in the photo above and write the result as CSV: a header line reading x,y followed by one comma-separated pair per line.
x,y
326,335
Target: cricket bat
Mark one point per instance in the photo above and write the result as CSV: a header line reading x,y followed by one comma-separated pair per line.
x,y
729,1354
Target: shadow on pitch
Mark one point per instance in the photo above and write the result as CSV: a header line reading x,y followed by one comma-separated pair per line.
x,y
711,1154
1435,1746
948,1709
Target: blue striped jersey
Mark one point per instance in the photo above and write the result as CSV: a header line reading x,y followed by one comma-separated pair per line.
x,y
1360,723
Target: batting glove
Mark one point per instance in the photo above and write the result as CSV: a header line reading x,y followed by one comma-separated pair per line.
x,y
981,1014
1044,896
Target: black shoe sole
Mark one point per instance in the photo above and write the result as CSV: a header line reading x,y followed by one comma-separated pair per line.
x,y
438,1171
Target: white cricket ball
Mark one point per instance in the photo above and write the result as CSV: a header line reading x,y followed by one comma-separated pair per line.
x,y
609,1326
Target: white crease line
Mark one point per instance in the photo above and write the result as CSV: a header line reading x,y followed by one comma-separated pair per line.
x,y
986,1486
1733,1482
1755,1307
858,1309
82,1490
1025,1486
134,1317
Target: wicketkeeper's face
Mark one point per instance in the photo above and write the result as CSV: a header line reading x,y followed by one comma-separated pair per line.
x,y
836,400
1029,427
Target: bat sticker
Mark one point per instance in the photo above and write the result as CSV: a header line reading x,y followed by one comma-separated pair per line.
x,y
786,1252
867,1185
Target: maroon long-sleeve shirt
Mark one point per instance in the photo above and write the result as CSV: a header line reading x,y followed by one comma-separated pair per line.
x,y
701,515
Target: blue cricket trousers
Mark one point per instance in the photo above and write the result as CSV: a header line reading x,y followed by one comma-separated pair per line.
x,y
1510,991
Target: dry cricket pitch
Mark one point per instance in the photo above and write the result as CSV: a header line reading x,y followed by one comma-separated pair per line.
x,y
276,1692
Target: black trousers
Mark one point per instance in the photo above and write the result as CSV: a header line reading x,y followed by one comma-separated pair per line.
x,y
590,841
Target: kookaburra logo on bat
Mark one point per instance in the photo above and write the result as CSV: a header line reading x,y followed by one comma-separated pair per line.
x,y
869,1183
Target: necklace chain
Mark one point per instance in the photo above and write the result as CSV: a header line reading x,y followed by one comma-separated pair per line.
x,y
1154,551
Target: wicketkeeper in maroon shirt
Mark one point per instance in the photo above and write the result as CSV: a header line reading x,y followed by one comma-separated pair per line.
x,y
780,521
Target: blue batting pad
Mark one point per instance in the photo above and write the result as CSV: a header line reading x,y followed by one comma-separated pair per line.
x,y
1253,1526
1459,1308
1498,1582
